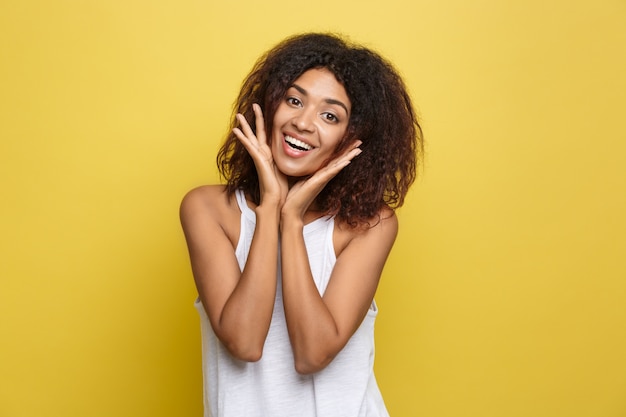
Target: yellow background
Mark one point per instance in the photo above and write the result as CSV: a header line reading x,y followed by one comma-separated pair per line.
x,y
505,294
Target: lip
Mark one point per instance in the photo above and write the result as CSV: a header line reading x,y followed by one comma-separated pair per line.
x,y
295,153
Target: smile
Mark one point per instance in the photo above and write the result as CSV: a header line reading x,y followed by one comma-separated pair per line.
x,y
297,144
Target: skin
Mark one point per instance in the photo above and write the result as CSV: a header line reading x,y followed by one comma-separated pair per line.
x,y
239,304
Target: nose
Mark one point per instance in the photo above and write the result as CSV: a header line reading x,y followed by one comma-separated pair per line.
x,y
304,120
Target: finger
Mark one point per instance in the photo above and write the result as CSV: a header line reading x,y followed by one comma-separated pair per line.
x,y
305,191
245,126
260,153
357,143
245,140
335,166
346,158
314,184
260,124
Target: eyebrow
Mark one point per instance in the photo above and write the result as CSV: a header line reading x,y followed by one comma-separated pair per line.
x,y
327,100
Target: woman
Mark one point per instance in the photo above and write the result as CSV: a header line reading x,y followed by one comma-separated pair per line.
x,y
287,254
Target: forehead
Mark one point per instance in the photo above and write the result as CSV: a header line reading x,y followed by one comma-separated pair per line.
x,y
322,84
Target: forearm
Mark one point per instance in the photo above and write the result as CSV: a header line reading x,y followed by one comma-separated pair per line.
x,y
312,329
245,318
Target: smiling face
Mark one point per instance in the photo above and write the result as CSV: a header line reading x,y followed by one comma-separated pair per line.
x,y
309,123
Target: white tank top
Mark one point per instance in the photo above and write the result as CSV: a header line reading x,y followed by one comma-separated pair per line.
x,y
271,387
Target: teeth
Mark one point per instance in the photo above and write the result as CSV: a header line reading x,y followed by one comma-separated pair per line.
x,y
297,143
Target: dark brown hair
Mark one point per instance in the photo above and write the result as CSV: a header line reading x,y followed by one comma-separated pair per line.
x,y
382,117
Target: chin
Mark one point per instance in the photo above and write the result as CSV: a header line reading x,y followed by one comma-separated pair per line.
x,y
295,173
294,170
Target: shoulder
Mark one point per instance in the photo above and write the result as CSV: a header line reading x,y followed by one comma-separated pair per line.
x,y
210,204
202,199
382,228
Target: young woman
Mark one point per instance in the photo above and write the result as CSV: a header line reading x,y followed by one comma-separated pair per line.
x,y
287,254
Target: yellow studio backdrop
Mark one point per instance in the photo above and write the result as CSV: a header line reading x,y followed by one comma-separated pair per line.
x,y
505,294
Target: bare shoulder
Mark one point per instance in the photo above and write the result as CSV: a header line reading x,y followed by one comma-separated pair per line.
x,y
203,199
210,204
383,228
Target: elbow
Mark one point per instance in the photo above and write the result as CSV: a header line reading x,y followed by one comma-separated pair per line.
x,y
250,356
311,365
249,353
311,357
240,342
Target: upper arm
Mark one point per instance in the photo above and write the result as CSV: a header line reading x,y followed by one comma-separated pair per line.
x,y
356,274
204,218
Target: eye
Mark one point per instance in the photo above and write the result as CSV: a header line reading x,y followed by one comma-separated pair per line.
x,y
330,117
293,101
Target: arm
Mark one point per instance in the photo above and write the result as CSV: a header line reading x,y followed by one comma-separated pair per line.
x,y
239,304
319,327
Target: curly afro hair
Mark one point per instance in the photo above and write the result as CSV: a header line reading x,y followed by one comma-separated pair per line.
x,y
382,117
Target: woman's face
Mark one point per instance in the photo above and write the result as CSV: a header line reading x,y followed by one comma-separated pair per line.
x,y
309,123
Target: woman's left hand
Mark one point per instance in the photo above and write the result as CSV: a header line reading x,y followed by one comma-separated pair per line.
x,y
302,194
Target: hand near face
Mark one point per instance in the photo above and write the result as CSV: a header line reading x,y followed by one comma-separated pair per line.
x,y
294,201
302,194
272,183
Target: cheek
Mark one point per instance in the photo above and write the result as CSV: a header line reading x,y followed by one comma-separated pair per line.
x,y
337,137
272,130
278,116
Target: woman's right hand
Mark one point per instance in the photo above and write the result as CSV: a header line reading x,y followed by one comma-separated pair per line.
x,y
272,183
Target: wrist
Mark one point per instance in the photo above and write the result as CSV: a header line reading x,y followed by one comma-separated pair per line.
x,y
290,222
267,210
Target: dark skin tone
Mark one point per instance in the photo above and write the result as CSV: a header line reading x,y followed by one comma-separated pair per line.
x,y
239,304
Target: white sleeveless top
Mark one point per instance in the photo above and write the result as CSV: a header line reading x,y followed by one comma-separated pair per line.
x,y
271,387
